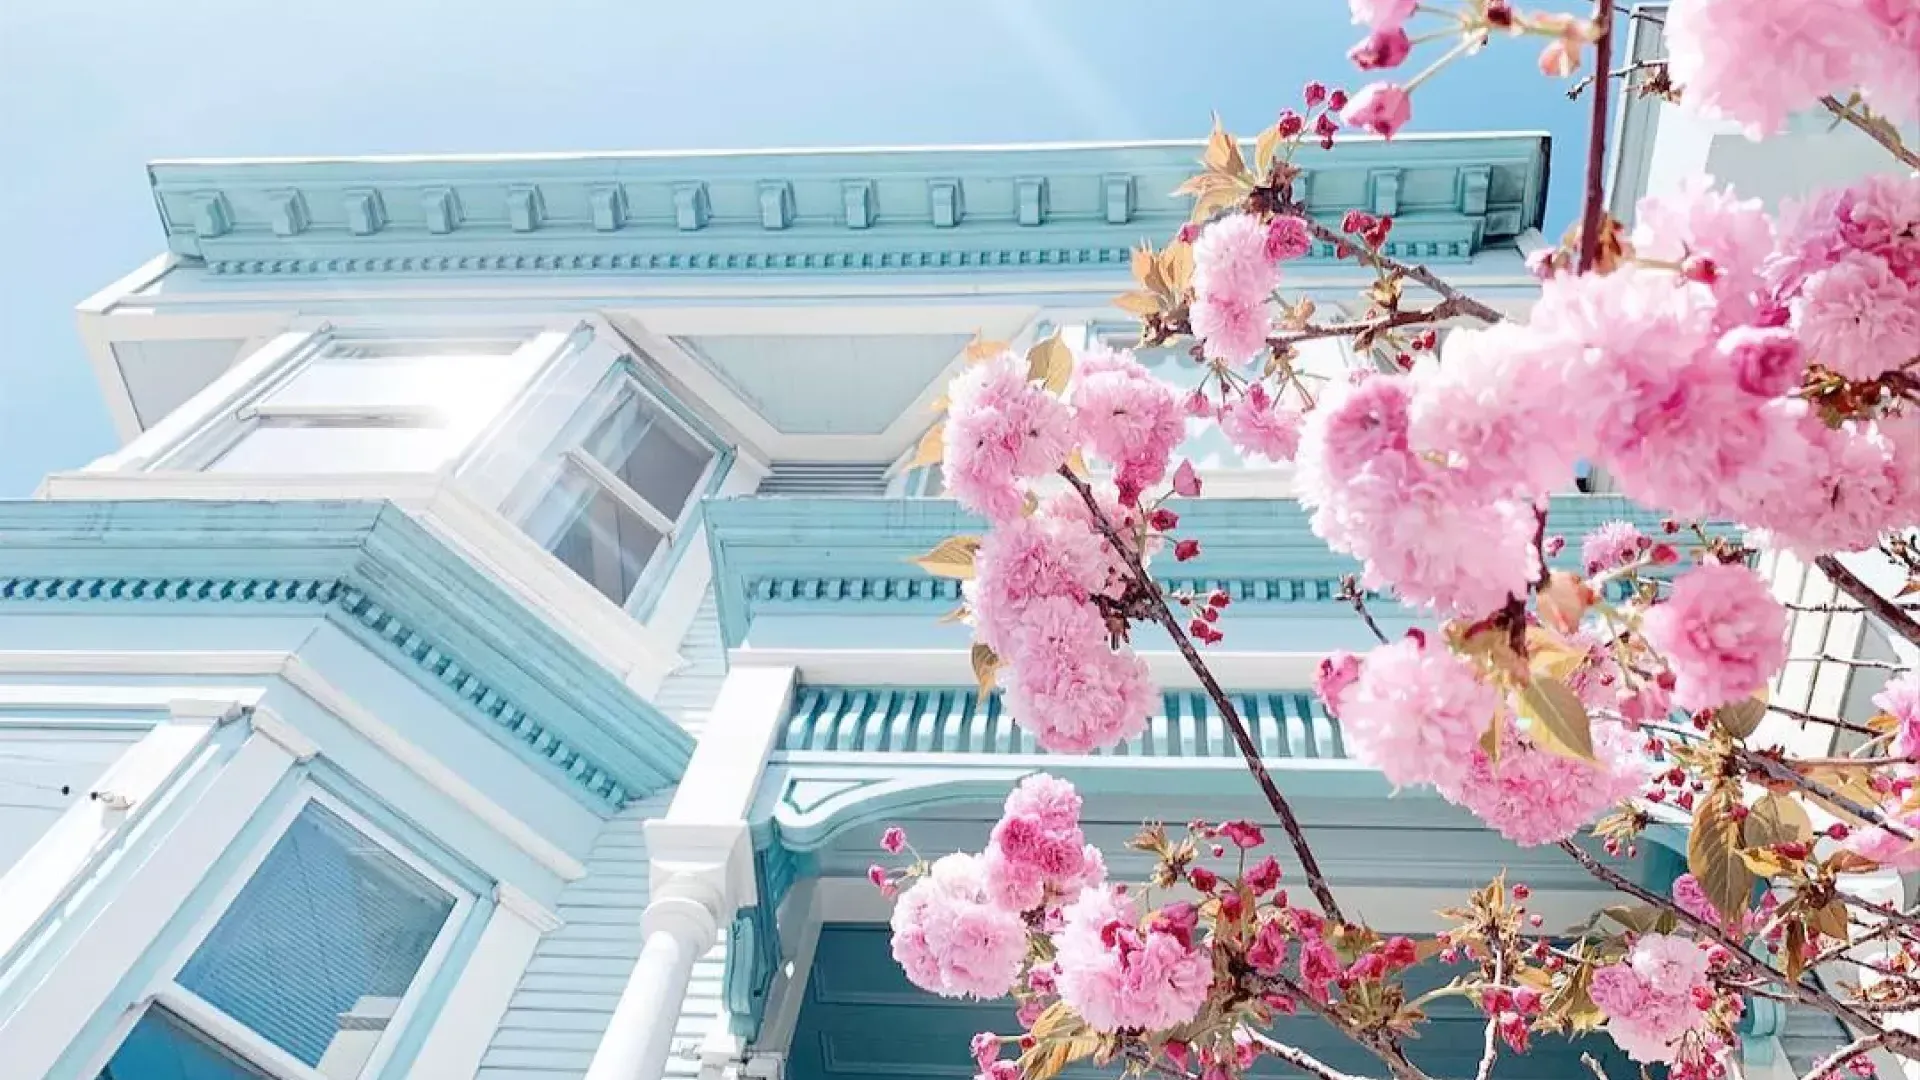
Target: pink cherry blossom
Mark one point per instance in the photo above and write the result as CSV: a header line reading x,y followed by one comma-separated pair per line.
x,y
1712,46
1858,318
1287,238
1766,361
1382,14
1886,847
1037,854
1125,415
1651,997
1382,108
1117,974
1900,699
1700,221
1722,634
1029,559
1000,430
1611,546
1233,283
1336,673
1067,685
1259,425
1534,797
1381,49
1416,713
952,939
1880,215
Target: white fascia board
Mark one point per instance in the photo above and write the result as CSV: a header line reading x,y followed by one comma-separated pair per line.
x,y
951,667
93,314
568,604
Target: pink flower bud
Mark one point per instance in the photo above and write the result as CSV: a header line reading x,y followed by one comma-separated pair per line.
x,y
894,840
1186,482
1382,108
1186,549
1381,49
1315,93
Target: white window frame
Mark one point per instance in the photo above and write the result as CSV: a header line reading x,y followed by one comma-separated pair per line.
x,y
229,422
568,455
255,1049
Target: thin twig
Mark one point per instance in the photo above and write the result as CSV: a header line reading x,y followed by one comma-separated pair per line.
x,y
1617,73
1414,272
1230,716
1593,210
1850,661
1833,1061
1886,137
1491,1051
1351,592
1589,1062
1298,1058
1844,609
1896,618
1900,1042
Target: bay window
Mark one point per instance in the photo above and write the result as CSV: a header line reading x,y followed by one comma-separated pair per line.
x,y
312,969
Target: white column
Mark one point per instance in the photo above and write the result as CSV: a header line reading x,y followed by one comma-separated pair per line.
x,y
473,1010
678,929
700,861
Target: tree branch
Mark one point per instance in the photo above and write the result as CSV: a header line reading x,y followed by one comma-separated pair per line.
x,y
1900,1042
1593,208
1828,1065
1414,272
1885,136
1299,1059
1896,618
1289,823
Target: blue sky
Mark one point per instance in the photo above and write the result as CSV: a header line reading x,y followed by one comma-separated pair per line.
x,y
89,92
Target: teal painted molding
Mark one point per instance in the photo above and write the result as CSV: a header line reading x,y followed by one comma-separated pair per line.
x,y
844,555
827,720
753,941
370,568
1046,208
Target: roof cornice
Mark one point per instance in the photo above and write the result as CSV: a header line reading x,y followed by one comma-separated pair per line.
x,y
370,568
1068,208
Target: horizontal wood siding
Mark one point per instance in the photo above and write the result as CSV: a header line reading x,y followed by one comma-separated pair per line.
x,y
566,998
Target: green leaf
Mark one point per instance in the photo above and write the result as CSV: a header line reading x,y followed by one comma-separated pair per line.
x,y
1560,723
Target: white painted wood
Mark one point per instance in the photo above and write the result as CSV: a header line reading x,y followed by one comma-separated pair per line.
x,y
36,1033
297,673
950,667
458,1041
206,408
723,777
49,870
568,604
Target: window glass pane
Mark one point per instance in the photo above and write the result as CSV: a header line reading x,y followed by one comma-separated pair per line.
x,y
162,1047
651,453
321,943
602,540
43,772
276,447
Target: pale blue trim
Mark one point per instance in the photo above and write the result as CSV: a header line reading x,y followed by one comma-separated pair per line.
x,y
372,569
701,214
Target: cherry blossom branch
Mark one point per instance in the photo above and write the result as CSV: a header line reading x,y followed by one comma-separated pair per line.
x,y
1590,1063
1289,823
1617,73
1380,1045
1593,210
1883,135
1850,661
1299,1059
1414,272
1451,308
1896,617
1491,1050
1350,592
1900,1042
1828,1065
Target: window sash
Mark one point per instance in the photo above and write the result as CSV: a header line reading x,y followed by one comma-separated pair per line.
x,y
259,1052
582,448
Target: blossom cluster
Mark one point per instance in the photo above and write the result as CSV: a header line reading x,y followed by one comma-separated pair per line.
x,y
1656,1000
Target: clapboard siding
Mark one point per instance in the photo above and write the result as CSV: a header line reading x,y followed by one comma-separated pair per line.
x,y
566,997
